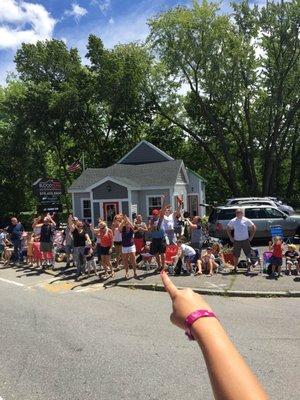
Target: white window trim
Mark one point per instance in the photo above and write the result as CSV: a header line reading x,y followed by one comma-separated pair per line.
x,y
82,209
148,196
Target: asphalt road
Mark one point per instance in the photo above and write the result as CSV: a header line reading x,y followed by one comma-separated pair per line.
x,y
119,344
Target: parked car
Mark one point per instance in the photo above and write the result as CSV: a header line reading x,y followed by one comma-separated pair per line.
x,y
262,216
271,201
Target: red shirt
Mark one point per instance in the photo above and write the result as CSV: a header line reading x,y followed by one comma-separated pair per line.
x,y
277,250
105,239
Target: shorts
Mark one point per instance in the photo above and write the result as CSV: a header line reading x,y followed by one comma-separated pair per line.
x,y
158,246
46,247
127,250
196,245
117,244
239,245
292,262
170,237
277,261
103,251
192,259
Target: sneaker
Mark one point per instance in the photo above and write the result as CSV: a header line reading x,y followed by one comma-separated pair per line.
x,y
289,273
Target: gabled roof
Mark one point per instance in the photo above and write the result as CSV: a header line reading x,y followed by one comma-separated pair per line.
x,y
196,174
145,152
135,176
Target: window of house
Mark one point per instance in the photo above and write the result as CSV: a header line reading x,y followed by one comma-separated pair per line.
x,y
86,210
154,202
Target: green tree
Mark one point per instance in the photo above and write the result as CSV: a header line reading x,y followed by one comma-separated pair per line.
x,y
236,108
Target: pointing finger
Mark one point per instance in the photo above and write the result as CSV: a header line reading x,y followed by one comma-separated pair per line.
x,y
169,285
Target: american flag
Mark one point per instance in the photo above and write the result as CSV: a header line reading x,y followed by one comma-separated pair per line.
x,y
75,166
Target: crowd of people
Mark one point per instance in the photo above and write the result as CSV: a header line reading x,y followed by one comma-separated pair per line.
x,y
168,241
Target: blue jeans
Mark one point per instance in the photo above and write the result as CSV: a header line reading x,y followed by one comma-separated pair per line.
x,y
17,254
79,259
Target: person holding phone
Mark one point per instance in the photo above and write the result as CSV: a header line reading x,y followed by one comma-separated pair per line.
x,y
230,376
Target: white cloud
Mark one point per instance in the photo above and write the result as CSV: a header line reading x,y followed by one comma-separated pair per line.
x,y
77,12
111,21
16,15
104,5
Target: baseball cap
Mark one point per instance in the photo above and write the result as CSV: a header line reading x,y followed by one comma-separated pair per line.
x,y
155,212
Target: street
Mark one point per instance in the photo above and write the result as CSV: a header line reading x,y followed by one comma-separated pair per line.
x,y
118,343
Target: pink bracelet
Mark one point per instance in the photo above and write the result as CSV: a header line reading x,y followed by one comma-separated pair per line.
x,y
190,319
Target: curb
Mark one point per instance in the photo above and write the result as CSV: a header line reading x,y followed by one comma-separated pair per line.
x,y
211,292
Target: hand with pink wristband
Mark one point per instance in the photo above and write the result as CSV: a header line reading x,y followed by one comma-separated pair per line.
x,y
193,314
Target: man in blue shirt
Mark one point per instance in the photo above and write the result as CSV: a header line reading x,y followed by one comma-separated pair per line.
x,y
15,231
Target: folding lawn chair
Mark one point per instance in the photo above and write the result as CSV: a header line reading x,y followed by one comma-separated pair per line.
x,y
170,254
277,230
266,260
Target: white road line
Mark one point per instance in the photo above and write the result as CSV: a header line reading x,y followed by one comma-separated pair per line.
x,y
14,283
91,288
212,284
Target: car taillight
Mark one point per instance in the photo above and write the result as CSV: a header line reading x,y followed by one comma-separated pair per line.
x,y
219,226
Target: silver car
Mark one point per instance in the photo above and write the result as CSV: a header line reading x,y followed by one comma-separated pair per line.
x,y
267,201
262,216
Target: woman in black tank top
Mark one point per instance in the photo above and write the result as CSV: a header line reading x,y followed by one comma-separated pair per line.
x,y
80,239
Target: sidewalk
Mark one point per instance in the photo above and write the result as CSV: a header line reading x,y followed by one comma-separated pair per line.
x,y
228,284
224,284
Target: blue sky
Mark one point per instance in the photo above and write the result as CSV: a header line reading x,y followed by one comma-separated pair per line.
x,y
114,21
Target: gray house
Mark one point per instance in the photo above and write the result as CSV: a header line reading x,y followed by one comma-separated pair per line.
x,y
135,185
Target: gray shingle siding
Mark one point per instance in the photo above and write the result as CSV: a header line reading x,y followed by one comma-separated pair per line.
x,y
116,191
78,197
144,154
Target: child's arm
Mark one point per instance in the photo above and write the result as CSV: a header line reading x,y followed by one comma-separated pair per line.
x,y
87,238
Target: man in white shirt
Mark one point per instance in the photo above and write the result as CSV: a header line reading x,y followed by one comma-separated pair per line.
x,y
188,254
241,237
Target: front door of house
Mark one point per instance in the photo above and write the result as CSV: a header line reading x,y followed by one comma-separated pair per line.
x,y
110,209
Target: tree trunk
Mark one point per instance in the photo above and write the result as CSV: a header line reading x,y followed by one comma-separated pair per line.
x,y
295,160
